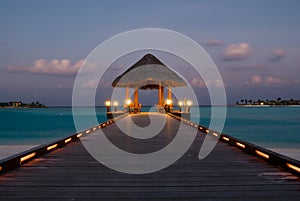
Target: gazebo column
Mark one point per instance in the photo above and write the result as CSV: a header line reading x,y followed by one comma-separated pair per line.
x,y
127,93
162,96
170,95
136,98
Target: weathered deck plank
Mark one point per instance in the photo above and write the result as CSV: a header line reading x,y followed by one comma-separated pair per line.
x,y
226,174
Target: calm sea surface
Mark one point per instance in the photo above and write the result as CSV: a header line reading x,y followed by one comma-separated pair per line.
x,y
271,127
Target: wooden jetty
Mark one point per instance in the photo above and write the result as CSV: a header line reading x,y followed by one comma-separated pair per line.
x,y
71,173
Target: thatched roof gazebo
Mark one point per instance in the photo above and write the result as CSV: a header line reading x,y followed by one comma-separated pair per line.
x,y
149,73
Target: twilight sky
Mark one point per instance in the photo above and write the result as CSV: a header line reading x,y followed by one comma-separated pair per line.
x,y
255,44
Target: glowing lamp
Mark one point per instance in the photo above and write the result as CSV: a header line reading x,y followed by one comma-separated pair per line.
x,y
169,101
188,103
128,102
180,103
107,103
115,103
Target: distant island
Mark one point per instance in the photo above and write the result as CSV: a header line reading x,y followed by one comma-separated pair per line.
x,y
20,104
260,102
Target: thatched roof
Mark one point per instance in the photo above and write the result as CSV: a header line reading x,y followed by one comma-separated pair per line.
x,y
148,73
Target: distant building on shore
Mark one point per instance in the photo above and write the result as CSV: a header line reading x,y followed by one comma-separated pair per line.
x,y
20,104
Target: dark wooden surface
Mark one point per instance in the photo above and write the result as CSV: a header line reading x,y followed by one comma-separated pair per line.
x,y
227,173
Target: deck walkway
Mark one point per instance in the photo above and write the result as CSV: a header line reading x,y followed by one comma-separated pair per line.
x,y
227,173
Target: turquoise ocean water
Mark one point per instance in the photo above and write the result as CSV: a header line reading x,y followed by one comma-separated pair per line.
x,y
271,127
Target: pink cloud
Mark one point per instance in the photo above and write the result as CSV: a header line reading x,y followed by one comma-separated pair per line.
x,y
266,81
53,67
254,79
238,51
273,80
198,83
214,42
278,54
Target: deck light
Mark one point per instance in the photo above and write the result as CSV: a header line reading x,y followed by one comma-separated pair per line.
x,y
52,147
215,134
27,157
266,156
0,168
226,139
293,167
240,145
88,131
79,135
68,140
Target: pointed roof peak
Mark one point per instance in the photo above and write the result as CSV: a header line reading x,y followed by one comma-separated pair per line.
x,y
148,59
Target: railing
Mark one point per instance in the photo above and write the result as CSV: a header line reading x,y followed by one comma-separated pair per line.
x,y
287,163
17,160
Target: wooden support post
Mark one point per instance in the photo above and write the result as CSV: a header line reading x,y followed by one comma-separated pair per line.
x,y
136,98
162,97
127,93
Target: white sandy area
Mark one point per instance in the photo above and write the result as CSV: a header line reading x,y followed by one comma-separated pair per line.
x,y
292,153
8,150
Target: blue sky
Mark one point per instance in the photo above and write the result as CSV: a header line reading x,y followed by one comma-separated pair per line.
x,y
255,44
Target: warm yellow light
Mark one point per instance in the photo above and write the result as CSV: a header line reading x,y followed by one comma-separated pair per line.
x,y
262,154
68,140
261,103
293,167
52,147
128,102
115,103
94,128
188,103
79,135
207,131
88,131
196,126
240,145
107,103
25,158
169,101
226,139
215,134
0,168
180,103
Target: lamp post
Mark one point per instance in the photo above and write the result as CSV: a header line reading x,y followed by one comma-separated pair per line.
x,y
180,103
188,103
168,102
107,104
127,105
115,103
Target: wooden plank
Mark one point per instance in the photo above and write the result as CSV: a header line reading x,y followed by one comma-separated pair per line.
x,y
226,174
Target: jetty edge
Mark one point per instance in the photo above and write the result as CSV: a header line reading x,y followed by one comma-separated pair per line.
x,y
288,164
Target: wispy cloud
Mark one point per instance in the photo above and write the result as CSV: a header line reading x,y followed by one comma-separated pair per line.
x,y
245,67
53,67
214,42
199,83
238,51
261,80
278,54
